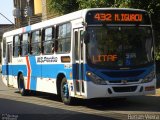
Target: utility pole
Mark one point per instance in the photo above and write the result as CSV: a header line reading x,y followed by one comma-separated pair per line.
x,y
28,12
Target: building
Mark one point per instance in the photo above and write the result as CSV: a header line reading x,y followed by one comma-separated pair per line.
x,y
26,12
5,28
39,9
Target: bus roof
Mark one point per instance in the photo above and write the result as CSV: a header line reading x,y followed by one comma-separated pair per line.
x,y
59,20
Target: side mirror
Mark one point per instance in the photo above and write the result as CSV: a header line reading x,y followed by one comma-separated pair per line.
x,y
86,37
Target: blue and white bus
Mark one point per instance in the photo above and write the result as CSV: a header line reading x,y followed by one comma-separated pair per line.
x,y
91,53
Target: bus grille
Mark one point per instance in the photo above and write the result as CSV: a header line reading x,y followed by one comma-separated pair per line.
x,y
123,74
120,81
125,89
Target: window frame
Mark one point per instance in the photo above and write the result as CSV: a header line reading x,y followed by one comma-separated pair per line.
x,y
63,39
23,44
4,47
39,51
52,40
15,46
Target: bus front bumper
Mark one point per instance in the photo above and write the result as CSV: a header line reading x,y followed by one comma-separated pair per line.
x,y
99,91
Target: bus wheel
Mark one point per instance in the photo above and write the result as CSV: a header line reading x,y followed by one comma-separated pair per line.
x,y
21,86
66,98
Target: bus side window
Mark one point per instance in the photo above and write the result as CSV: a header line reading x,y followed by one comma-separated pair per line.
x,y
64,38
4,47
25,44
48,40
36,42
16,46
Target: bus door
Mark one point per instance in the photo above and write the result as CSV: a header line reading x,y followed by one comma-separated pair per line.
x,y
78,67
9,64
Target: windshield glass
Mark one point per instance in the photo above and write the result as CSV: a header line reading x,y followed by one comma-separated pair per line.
x,y
119,46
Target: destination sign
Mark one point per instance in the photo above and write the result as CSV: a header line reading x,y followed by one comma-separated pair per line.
x,y
117,17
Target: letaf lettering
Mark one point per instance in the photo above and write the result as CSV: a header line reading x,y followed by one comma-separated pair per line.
x,y
104,58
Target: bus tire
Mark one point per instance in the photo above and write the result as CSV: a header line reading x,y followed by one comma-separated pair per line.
x,y
21,85
66,98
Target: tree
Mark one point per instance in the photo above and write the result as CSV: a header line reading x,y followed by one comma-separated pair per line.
x,y
94,3
63,6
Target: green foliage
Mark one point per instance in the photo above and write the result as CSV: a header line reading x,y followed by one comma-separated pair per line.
x,y
63,6
94,3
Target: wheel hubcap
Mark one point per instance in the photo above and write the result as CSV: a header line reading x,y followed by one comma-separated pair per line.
x,y
65,90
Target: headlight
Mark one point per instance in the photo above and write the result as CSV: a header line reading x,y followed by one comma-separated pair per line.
x,y
96,79
149,77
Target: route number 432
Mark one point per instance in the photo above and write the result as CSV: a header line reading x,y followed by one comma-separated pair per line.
x,y
103,17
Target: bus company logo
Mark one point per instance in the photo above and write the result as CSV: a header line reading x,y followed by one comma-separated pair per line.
x,y
46,59
124,81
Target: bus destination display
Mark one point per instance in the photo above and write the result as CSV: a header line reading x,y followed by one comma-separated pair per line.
x,y
117,17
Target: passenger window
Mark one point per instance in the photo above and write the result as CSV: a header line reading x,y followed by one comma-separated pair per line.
x,y
25,44
16,46
4,47
64,38
48,43
36,43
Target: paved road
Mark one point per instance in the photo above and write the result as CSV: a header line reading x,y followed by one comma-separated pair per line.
x,y
47,106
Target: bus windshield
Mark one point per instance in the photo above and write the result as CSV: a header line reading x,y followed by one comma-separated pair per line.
x,y
119,46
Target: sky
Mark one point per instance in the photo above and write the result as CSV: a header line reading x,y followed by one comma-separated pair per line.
x,y
6,8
